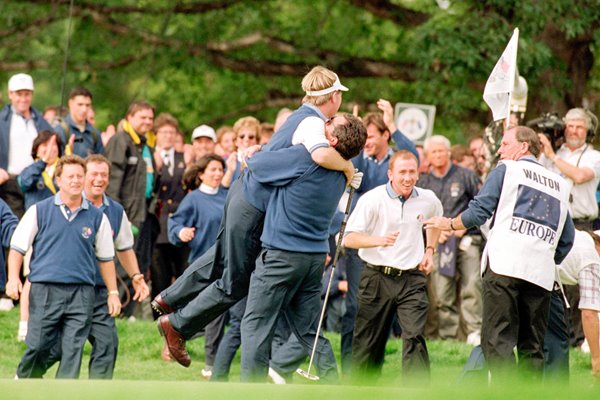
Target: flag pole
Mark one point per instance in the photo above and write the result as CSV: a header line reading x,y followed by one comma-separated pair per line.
x,y
512,73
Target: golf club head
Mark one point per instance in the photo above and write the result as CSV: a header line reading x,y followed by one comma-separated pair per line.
x,y
307,375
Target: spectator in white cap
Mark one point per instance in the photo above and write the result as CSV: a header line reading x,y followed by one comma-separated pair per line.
x,y
204,140
19,126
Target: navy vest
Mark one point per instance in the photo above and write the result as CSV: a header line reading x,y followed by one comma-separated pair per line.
x,y
256,193
64,251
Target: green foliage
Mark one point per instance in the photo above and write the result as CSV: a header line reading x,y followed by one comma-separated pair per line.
x,y
215,61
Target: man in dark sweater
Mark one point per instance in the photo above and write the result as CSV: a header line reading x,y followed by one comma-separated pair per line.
x,y
295,242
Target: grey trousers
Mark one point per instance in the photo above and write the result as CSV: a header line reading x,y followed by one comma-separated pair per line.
x,y
57,313
290,282
236,250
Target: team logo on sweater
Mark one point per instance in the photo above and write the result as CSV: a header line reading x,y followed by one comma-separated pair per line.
x,y
86,232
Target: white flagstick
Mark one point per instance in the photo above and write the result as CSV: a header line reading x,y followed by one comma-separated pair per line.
x,y
500,84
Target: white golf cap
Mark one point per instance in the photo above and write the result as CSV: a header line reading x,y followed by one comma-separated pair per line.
x,y
204,131
337,85
20,82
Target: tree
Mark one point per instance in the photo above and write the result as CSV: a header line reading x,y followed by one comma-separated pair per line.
x,y
213,61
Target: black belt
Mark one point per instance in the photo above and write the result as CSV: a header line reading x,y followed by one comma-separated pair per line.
x,y
389,271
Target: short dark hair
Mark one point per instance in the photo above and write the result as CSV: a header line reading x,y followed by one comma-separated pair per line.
x,y
403,155
376,119
139,105
351,137
80,91
42,138
71,159
191,179
98,158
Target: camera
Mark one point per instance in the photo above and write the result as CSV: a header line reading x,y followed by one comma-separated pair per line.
x,y
551,125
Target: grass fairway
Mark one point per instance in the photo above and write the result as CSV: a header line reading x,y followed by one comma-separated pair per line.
x,y
141,374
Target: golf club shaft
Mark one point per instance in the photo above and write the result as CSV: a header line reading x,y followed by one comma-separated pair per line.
x,y
333,265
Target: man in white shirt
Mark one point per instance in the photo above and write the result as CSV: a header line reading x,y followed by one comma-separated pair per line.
x,y
579,163
19,126
387,227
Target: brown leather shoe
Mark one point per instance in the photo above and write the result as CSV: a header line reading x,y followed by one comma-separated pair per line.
x,y
159,305
175,341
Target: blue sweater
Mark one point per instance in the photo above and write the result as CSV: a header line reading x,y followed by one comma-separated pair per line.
x,y
63,251
302,204
202,211
257,194
32,184
8,223
86,142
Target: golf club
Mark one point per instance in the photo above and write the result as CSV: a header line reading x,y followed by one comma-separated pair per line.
x,y
306,374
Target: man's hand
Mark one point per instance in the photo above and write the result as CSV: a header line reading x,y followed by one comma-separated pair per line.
x,y
389,239
441,223
388,114
349,172
426,263
140,288
343,286
186,234
250,151
444,235
114,305
3,176
546,146
13,288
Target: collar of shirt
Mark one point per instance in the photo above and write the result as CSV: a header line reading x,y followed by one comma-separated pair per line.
x,y
392,193
169,153
67,212
73,125
530,159
14,111
104,200
207,189
580,149
389,154
315,108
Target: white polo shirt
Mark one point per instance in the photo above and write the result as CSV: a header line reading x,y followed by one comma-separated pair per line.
x,y
583,196
381,211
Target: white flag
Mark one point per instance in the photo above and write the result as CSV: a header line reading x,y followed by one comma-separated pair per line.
x,y
499,85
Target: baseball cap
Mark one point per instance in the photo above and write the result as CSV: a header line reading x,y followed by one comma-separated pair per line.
x,y
20,82
204,131
337,85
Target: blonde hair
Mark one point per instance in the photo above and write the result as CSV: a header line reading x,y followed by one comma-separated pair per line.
x,y
247,122
318,78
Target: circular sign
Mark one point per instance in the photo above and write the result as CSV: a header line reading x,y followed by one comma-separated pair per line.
x,y
413,123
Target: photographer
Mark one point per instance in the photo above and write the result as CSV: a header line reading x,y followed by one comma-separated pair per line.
x,y
578,162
